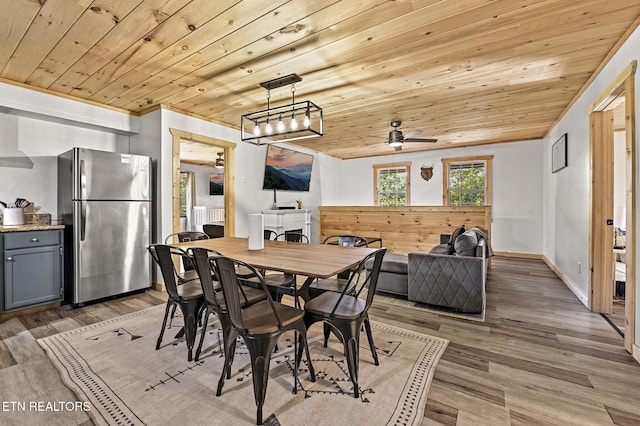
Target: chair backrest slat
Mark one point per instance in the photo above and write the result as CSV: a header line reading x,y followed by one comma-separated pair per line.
x,y
355,286
270,235
205,271
225,268
162,255
293,237
213,230
186,236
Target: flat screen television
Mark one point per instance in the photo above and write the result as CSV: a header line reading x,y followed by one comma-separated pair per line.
x,y
287,170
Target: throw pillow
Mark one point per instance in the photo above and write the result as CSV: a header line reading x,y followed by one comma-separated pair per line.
x,y
466,244
454,235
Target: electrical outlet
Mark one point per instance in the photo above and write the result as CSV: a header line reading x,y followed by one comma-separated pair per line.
x,y
579,267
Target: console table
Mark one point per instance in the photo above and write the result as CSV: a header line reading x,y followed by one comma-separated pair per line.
x,y
280,221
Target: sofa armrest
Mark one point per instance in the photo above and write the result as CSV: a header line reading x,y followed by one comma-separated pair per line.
x,y
481,248
455,282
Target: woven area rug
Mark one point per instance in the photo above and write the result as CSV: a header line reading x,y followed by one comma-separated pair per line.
x,y
113,365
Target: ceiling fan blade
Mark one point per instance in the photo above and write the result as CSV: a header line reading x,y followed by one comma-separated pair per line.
x,y
411,133
420,140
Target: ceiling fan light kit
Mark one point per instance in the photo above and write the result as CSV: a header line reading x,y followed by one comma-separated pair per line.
x,y
297,120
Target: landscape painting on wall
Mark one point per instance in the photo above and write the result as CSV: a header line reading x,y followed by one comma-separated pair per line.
x,y
287,169
216,184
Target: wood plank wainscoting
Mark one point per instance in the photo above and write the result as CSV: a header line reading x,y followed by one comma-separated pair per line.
x,y
402,229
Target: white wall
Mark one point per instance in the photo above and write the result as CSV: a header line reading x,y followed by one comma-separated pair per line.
x,y
619,180
41,141
201,175
517,191
566,193
249,171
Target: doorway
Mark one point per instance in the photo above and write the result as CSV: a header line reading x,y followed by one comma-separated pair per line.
x,y
619,94
228,150
616,316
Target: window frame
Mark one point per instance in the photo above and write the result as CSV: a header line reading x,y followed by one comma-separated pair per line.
x,y
376,173
447,162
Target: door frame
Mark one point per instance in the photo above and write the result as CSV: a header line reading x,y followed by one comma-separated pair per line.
x,y
229,177
601,200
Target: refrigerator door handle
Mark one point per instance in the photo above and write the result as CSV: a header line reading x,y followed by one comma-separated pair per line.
x,y
80,190
83,219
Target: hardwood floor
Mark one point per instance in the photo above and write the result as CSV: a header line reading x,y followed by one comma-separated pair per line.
x,y
540,357
616,317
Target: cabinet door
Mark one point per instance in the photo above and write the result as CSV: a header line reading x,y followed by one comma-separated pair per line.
x,y
32,276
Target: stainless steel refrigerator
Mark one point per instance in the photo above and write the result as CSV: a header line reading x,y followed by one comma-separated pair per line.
x,y
104,198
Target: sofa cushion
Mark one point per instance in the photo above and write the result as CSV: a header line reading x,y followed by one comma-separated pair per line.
x,y
454,235
396,263
391,262
440,249
465,244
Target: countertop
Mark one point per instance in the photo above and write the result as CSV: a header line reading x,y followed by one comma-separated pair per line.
x,y
20,228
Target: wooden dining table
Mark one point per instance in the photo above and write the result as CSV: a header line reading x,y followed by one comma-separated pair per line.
x,y
309,260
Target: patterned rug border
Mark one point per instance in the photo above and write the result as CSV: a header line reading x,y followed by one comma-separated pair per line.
x,y
108,406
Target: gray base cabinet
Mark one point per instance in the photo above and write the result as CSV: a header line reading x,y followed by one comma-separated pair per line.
x,y
32,268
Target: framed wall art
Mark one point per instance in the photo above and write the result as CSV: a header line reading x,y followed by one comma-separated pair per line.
x,y
216,184
559,154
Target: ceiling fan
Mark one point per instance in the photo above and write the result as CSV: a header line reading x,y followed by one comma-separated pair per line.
x,y
397,138
220,161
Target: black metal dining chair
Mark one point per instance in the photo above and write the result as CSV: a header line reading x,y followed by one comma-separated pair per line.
x,y
188,296
213,230
294,237
279,283
337,283
346,313
346,240
259,325
282,283
212,290
269,234
185,236
188,272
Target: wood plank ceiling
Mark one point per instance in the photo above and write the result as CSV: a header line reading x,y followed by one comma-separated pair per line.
x,y
463,71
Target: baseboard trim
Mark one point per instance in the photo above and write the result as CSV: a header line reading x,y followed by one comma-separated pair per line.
x,y
158,286
635,352
519,255
568,282
31,310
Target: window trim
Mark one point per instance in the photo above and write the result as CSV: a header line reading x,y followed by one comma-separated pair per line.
x,y
487,159
376,170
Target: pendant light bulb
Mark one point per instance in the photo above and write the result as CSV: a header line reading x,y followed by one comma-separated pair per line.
x,y
294,122
268,129
256,129
307,121
280,125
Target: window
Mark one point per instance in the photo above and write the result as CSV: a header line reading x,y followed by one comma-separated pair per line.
x,y
467,181
392,184
186,191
